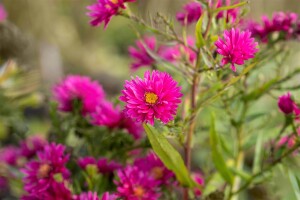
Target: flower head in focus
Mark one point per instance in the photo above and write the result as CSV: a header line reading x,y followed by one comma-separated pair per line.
x,y
236,47
104,10
41,174
192,11
134,184
140,55
81,88
155,96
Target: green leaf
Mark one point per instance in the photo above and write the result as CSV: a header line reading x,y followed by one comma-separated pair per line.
x,y
169,156
294,182
217,157
198,32
257,155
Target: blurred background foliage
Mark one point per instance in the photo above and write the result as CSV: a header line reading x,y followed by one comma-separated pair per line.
x,y
46,39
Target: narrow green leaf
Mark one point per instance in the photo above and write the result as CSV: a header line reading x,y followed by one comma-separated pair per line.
x,y
257,156
294,183
244,175
231,6
217,157
169,156
198,33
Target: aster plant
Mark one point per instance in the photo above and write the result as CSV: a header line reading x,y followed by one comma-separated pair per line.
x,y
209,112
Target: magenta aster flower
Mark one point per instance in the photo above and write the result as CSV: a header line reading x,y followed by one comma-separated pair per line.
x,y
236,47
107,196
191,13
231,14
152,165
140,55
155,96
3,13
40,174
136,185
87,196
85,161
75,87
10,155
287,105
104,10
106,115
32,145
107,167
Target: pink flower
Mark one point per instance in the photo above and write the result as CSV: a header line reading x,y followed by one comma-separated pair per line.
x,y
152,165
75,87
288,141
3,13
32,145
236,47
140,55
40,174
107,196
104,10
106,167
287,105
191,13
10,155
134,128
178,52
231,14
155,96
134,184
106,115
83,162
87,196
198,178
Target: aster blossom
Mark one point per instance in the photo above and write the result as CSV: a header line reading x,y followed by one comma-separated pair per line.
x,y
191,13
140,54
87,196
82,88
106,167
287,105
155,96
136,185
32,145
83,162
40,174
107,196
104,10
10,155
236,47
229,15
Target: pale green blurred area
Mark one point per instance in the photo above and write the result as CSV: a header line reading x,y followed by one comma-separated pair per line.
x,y
63,42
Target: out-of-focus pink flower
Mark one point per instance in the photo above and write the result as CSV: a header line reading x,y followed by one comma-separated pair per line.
x,y
287,105
152,165
10,155
288,141
140,55
231,14
107,196
198,178
134,184
106,115
86,196
155,96
4,184
3,13
191,13
134,128
107,167
236,47
104,10
40,174
83,162
82,88
32,145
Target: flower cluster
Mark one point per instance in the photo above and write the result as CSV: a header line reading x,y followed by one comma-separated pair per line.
x,y
155,96
104,10
286,24
236,47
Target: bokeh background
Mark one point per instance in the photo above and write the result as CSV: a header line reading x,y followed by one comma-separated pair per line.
x,y
52,38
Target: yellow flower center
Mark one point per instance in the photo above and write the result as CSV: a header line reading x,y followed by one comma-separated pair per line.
x,y
151,97
139,191
114,1
157,172
44,170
